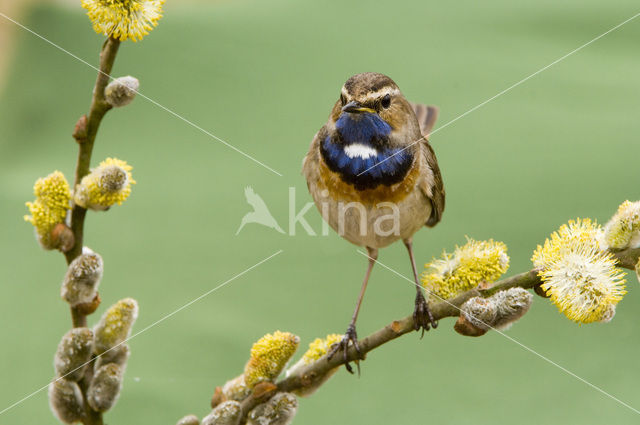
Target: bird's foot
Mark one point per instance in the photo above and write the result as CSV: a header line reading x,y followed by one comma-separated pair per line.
x,y
422,317
350,337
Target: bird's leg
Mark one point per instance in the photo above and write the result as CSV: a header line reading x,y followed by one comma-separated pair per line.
x,y
422,316
350,335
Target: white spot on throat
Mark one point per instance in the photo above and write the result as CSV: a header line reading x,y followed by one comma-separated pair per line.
x,y
359,150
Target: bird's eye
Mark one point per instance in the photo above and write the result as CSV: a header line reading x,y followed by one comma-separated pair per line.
x,y
386,101
343,100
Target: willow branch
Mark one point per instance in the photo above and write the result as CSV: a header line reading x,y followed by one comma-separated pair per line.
x,y
440,310
85,135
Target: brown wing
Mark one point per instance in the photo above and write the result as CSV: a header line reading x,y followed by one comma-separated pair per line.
x,y
433,187
426,115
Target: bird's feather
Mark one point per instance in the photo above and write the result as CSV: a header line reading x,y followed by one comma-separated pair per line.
x,y
426,115
435,192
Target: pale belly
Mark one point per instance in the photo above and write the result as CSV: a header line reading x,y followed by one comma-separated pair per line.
x,y
373,225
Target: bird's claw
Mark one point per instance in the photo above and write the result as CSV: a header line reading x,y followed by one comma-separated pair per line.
x,y
422,317
350,337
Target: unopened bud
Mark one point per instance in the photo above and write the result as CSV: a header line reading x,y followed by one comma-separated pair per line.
x,y
236,389
477,315
121,91
62,237
511,305
499,311
90,307
189,420
80,129
115,325
73,352
65,400
105,387
217,397
83,276
227,413
269,356
279,410
465,327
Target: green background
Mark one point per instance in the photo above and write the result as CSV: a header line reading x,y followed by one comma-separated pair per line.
x,y
263,76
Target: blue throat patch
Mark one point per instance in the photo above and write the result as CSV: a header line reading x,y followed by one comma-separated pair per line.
x,y
371,131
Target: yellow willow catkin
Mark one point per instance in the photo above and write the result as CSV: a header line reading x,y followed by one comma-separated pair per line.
x,y
317,350
49,209
581,279
124,19
269,355
471,264
106,185
115,325
623,230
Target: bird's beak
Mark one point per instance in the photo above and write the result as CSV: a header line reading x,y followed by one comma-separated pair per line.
x,y
355,107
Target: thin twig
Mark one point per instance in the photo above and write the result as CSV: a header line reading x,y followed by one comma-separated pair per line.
x,y
85,135
97,110
309,374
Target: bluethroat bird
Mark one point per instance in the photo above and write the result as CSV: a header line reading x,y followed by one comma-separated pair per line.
x,y
375,178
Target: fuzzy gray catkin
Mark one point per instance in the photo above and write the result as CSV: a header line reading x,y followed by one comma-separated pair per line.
x,y
511,304
121,91
236,389
279,410
105,387
498,311
83,276
189,420
74,351
118,355
227,413
65,401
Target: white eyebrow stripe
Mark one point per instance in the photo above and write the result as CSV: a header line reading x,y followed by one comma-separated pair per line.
x,y
359,150
373,95
380,93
